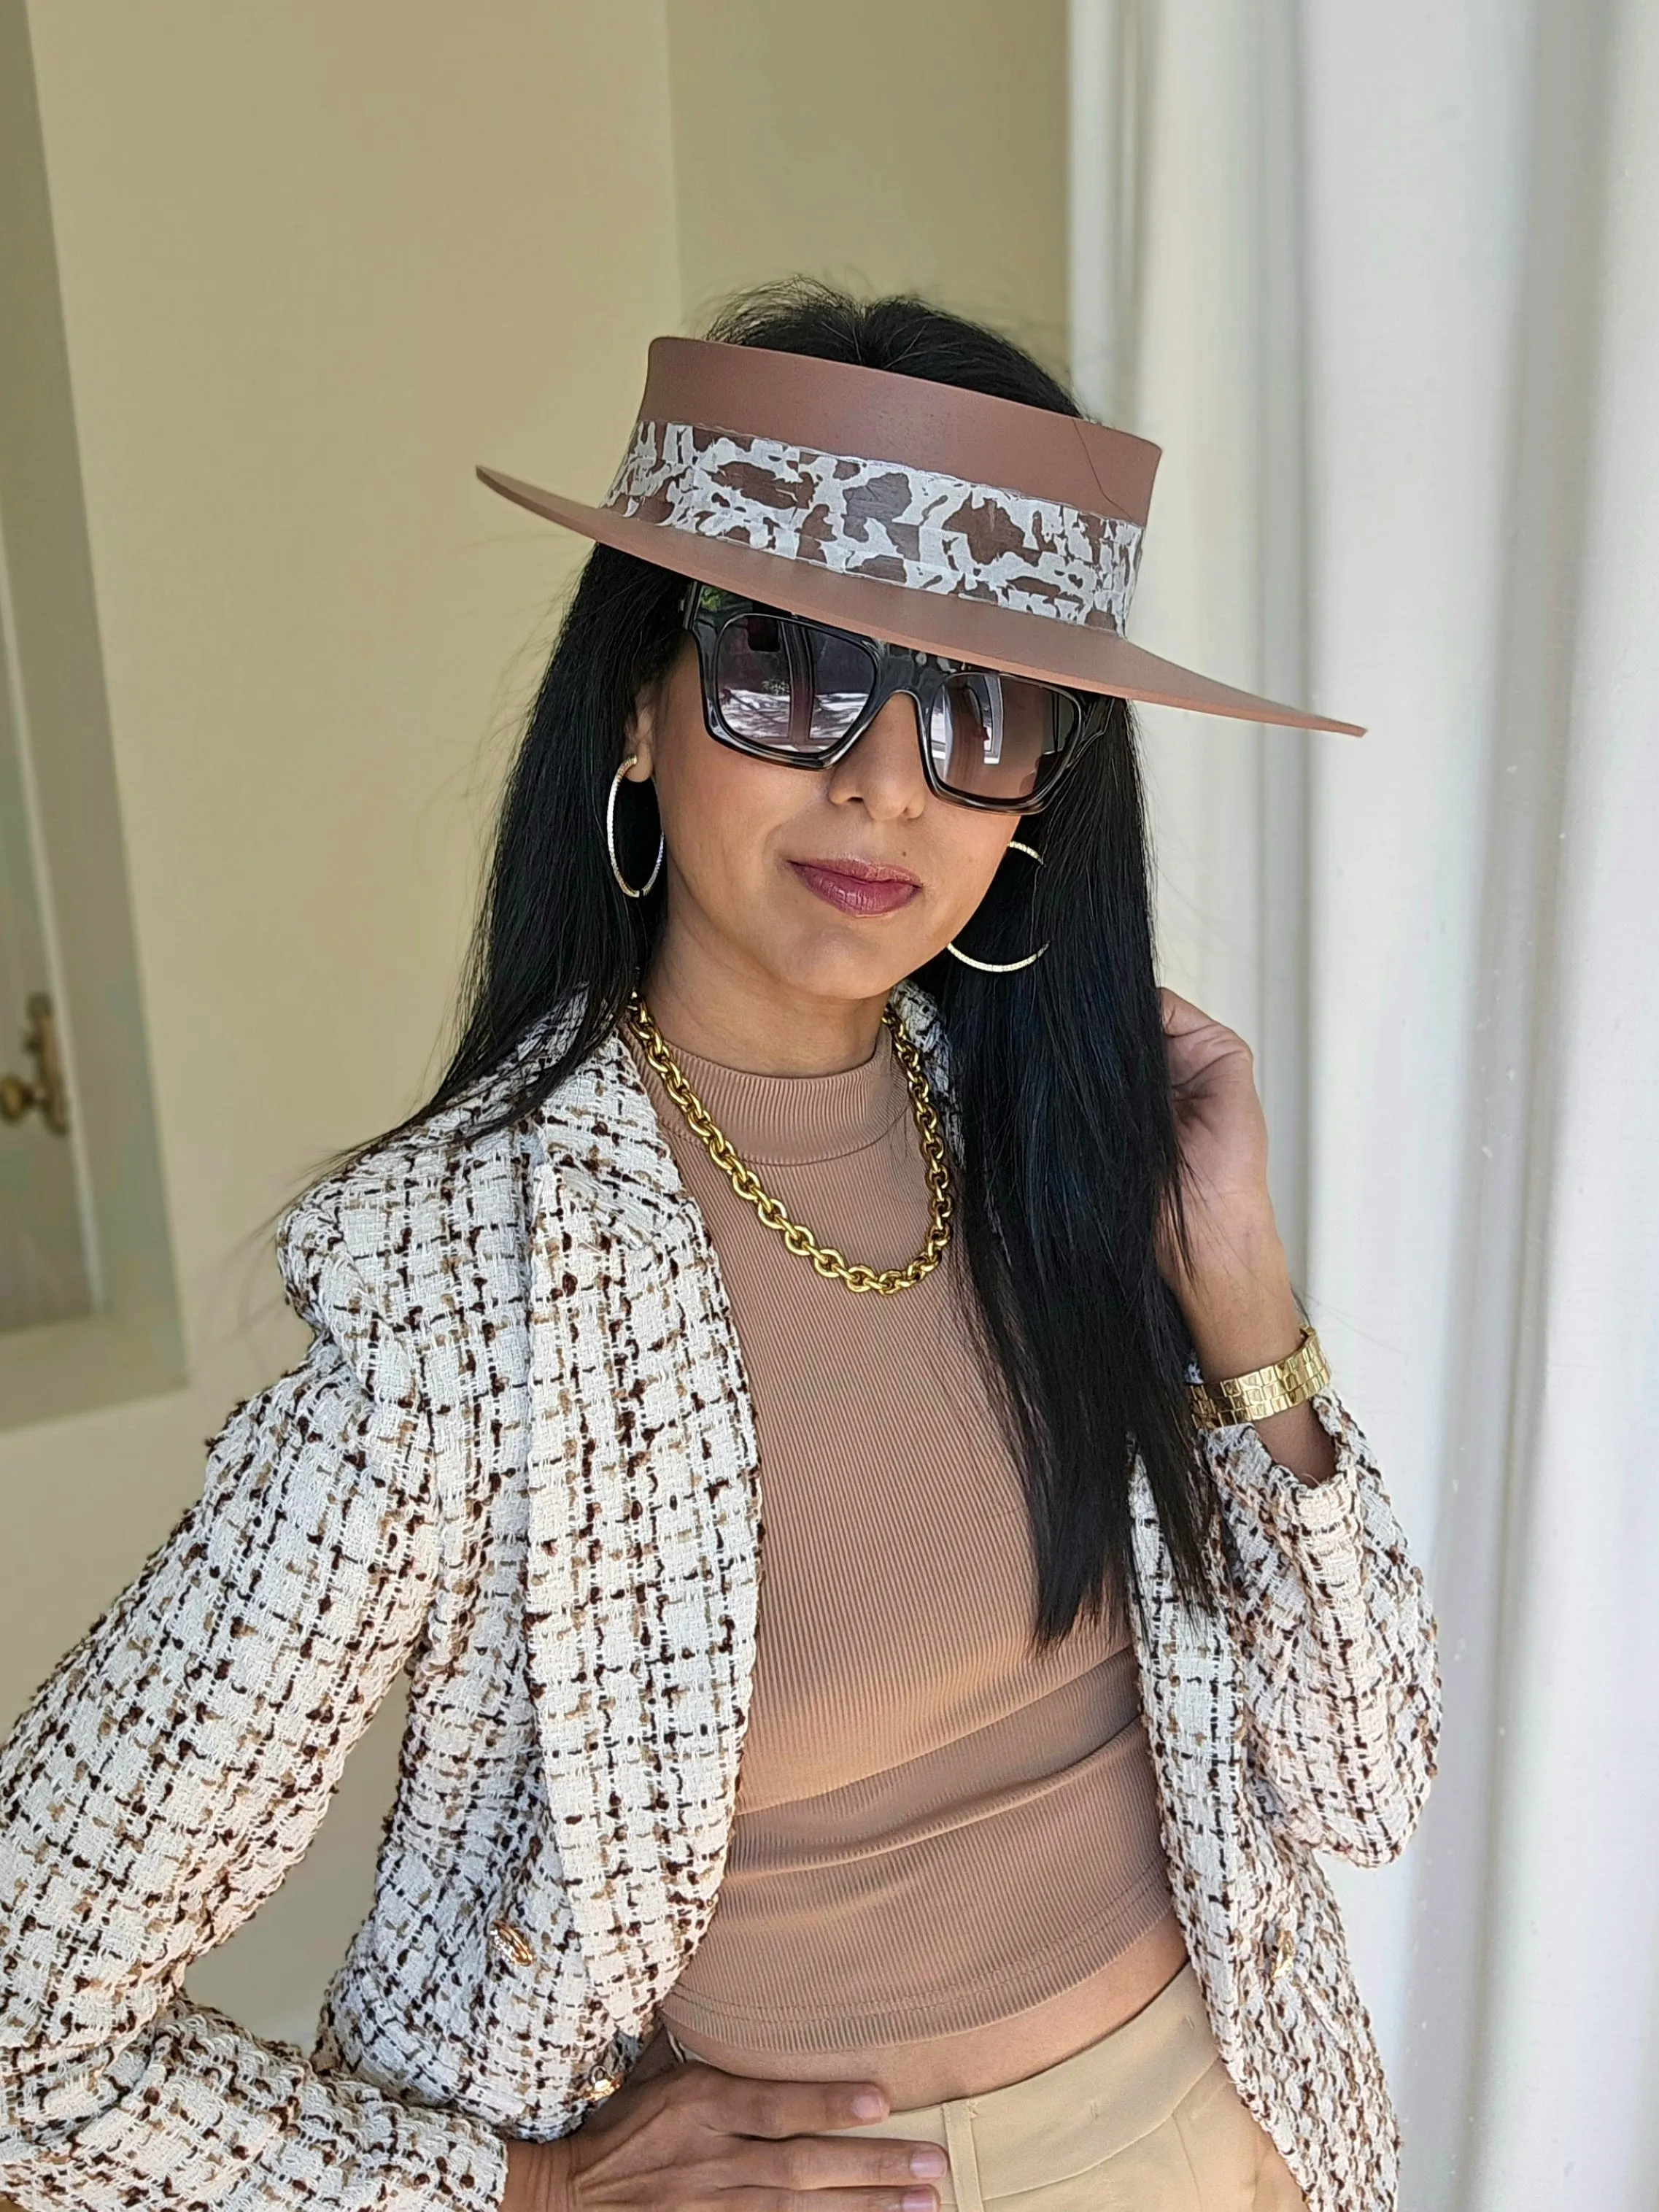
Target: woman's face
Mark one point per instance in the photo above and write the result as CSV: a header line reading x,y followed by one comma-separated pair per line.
x,y
830,882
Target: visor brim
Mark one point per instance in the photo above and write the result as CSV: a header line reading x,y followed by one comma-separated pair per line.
x,y
977,631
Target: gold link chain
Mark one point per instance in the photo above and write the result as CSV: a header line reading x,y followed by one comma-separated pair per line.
x,y
885,1281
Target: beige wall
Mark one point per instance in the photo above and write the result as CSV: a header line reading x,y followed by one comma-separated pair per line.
x,y
888,144
317,262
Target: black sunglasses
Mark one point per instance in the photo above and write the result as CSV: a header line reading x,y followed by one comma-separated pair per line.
x,y
783,688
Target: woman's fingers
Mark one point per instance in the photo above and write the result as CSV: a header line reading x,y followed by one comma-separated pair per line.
x,y
1180,1014
716,2141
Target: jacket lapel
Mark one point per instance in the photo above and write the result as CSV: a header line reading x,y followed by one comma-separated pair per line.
x,y
644,1522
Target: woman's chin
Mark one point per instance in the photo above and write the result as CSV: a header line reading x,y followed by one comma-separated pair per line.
x,y
853,983
853,962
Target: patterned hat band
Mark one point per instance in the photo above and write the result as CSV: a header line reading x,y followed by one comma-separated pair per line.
x,y
884,520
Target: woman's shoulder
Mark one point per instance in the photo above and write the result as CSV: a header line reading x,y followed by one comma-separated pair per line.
x,y
386,1232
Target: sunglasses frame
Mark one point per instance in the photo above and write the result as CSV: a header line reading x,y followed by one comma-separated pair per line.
x,y
707,611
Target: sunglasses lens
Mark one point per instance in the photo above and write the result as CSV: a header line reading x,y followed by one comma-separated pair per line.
x,y
789,687
1000,737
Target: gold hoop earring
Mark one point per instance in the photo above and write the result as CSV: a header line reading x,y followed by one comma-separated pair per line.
x,y
1003,967
622,884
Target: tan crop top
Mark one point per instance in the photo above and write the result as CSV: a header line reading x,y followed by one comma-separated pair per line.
x,y
945,1871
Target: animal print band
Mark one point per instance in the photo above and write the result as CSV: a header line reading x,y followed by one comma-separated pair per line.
x,y
928,532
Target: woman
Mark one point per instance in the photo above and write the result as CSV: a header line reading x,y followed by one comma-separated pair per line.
x,y
817,1123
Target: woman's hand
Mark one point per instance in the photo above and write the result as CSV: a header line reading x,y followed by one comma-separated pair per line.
x,y
693,2135
1233,1281
1231,1236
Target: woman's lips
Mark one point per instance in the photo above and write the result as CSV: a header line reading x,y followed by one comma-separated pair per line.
x,y
856,886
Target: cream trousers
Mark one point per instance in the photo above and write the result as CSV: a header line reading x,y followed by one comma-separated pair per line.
x,y
1145,2120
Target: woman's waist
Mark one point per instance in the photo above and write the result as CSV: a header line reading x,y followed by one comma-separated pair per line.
x,y
964,1916
964,2062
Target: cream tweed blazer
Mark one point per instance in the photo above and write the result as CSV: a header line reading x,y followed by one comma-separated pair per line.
x,y
519,1461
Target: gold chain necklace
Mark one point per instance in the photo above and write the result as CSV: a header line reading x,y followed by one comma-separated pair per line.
x,y
885,1281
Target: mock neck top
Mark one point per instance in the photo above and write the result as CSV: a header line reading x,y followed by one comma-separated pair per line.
x,y
795,1120
944,1868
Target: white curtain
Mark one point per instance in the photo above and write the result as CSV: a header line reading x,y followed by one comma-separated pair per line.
x,y
1384,283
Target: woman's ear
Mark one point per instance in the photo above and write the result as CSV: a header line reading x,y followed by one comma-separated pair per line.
x,y
651,711
642,733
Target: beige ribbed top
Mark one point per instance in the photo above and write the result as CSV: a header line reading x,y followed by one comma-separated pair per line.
x,y
944,1872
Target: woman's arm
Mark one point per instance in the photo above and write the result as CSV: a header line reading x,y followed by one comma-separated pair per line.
x,y
1327,1610
1250,1320
1336,1638
160,1786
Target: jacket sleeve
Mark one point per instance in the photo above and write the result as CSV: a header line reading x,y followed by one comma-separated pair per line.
x,y
1336,1641
160,1786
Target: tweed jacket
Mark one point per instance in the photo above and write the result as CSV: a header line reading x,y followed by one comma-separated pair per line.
x,y
519,1461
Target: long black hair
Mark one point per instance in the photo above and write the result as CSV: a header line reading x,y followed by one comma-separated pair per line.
x,y
1068,1151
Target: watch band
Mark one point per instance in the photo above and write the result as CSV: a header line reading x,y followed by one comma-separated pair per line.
x,y
1265,1390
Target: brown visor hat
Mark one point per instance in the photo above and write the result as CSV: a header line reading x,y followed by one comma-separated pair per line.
x,y
974,528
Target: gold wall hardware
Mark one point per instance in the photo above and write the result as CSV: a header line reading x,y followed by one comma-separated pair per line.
x,y
48,1092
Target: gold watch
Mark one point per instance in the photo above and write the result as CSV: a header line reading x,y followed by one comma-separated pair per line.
x,y
1264,1392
